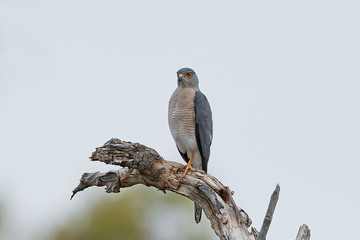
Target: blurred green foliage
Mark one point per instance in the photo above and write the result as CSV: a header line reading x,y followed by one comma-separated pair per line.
x,y
139,213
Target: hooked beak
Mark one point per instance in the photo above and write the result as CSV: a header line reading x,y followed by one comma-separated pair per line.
x,y
180,77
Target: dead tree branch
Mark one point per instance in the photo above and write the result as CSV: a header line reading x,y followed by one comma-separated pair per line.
x,y
304,233
269,214
143,165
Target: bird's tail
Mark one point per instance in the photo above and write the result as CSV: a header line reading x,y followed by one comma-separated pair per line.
x,y
198,211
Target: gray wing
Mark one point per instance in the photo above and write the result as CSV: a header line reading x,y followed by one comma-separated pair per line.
x,y
203,127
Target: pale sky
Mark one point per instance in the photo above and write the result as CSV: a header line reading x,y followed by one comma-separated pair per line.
x,y
282,78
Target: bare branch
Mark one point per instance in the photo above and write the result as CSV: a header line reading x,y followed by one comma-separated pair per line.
x,y
269,214
143,165
304,233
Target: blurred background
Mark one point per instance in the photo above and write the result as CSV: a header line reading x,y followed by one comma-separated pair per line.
x,y
282,78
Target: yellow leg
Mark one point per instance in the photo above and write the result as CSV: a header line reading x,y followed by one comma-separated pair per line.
x,y
188,165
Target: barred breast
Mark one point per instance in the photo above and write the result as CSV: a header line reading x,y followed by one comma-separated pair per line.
x,y
181,118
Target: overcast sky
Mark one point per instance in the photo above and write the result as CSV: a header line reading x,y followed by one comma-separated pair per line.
x,y
282,78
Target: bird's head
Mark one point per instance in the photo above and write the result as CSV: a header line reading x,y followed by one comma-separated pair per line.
x,y
187,78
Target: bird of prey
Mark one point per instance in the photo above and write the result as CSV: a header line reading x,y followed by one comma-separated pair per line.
x,y
191,125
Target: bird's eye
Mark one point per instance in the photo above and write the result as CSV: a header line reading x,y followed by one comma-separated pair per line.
x,y
189,75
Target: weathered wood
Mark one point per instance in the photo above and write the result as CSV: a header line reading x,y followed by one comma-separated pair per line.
x,y
143,165
269,214
304,233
